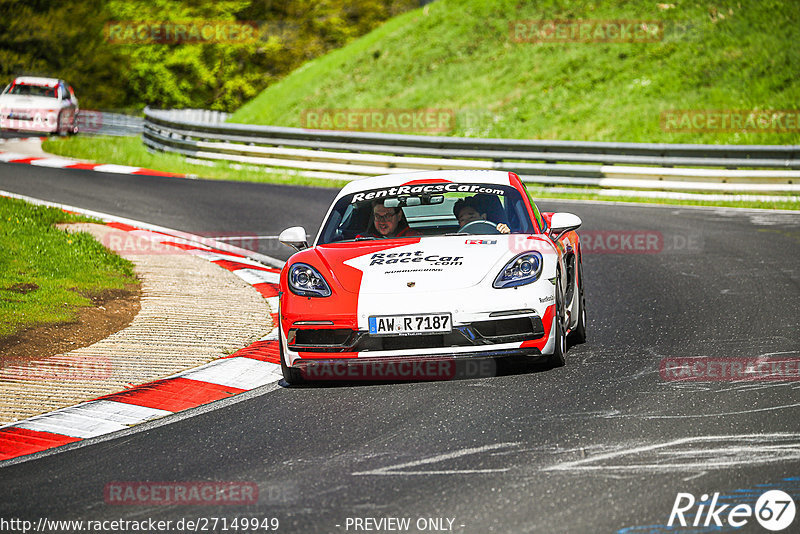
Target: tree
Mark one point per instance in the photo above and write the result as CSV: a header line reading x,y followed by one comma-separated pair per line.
x,y
72,40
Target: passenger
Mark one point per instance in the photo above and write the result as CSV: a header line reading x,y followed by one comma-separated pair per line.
x,y
388,222
469,209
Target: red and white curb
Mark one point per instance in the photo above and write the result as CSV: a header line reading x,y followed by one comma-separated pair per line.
x,y
248,368
63,163
13,140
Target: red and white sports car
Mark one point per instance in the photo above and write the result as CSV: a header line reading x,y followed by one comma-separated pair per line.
x,y
409,269
39,105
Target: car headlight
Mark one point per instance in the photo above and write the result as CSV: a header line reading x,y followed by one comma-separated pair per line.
x,y
304,280
523,269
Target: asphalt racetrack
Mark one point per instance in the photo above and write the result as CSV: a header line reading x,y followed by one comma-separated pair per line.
x,y
604,444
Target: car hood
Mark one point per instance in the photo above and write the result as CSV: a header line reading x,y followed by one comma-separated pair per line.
x,y
28,102
422,265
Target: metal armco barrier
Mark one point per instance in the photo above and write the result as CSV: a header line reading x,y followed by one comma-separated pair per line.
x,y
93,122
347,155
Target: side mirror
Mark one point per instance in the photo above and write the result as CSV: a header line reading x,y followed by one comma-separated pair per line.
x,y
294,237
561,223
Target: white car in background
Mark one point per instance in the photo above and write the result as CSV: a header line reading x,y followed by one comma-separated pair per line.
x,y
33,104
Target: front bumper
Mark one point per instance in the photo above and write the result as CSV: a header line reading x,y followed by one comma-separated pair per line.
x,y
484,319
479,334
490,337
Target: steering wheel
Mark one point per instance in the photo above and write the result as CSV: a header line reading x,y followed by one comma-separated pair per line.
x,y
479,227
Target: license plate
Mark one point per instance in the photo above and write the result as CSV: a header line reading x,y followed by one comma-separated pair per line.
x,y
400,325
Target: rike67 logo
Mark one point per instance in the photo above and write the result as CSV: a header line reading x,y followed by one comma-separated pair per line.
x,y
774,510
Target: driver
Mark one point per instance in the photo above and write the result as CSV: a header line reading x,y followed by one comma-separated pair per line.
x,y
468,210
388,222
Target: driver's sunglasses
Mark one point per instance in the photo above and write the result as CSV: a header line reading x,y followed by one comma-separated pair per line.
x,y
384,218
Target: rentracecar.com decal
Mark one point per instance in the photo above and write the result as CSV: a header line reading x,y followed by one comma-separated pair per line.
x,y
416,256
425,189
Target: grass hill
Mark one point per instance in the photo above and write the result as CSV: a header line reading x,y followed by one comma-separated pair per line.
x,y
461,55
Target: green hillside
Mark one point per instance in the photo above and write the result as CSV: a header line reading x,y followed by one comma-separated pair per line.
x,y
460,55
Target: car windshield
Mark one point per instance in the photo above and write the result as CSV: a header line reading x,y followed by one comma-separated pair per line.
x,y
32,90
426,210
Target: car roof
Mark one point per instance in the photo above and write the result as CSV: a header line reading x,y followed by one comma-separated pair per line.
x,y
407,178
34,80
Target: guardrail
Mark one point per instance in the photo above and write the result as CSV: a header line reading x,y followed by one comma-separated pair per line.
x,y
348,155
92,122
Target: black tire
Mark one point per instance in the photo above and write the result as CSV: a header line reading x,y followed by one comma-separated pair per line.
x,y
578,334
290,375
557,358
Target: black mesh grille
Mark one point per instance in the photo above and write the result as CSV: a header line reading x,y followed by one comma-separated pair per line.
x,y
519,326
323,336
421,341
